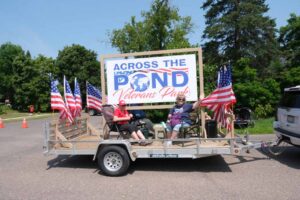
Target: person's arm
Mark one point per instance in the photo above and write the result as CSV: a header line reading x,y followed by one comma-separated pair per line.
x,y
196,104
170,113
117,118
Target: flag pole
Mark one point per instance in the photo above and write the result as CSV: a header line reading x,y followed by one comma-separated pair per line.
x,y
52,116
86,99
66,102
86,94
75,112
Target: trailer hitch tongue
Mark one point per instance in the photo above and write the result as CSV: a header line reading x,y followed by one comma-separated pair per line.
x,y
275,147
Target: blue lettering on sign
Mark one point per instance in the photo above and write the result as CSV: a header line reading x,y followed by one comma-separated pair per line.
x,y
135,66
123,66
130,66
156,78
140,81
116,68
120,80
174,80
154,64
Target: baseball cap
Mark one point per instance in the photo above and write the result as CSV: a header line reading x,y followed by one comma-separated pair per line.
x,y
122,103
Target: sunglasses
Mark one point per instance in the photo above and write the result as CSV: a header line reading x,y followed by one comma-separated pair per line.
x,y
180,99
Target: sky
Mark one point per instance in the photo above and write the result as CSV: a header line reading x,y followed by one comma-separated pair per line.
x,y
47,26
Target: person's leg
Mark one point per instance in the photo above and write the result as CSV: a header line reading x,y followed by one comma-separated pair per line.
x,y
176,128
169,131
135,136
131,129
137,132
175,131
140,135
169,134
174,134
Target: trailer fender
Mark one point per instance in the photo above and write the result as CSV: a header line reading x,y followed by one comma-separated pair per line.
x,y
122,143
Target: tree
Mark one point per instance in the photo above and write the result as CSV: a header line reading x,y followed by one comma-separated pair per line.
x,y
41,83
238,29
259,95
76,61
8,53
162,28
22,77
289,40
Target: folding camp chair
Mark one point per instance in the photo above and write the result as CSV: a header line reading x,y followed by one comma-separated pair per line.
x,y
110,125
194,129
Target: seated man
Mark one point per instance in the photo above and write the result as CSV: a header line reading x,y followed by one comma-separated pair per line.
x,y
122,117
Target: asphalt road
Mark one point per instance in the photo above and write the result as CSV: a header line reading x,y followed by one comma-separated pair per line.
x,y
25,173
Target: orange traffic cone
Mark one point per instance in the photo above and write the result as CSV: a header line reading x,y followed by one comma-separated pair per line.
x,y
1,123
24,124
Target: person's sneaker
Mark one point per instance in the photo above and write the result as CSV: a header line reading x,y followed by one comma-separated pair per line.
x,y
144,143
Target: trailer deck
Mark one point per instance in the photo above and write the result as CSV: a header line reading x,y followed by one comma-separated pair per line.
x,y
61,140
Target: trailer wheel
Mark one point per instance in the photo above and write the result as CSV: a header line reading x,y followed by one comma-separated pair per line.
x,y
113,160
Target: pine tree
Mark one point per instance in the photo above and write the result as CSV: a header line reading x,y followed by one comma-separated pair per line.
x,y
238,29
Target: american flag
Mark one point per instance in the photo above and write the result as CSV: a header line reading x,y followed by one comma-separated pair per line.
x,y
78,101
93,97
220,100
57,102
69,98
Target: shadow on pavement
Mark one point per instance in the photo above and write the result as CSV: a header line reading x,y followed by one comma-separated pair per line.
x,y
208,164
290,156
80,161
245,159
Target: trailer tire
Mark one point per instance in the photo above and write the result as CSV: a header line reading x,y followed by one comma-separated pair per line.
x,y
113,160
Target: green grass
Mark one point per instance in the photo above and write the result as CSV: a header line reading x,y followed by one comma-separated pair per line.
x,y
262,126
12,115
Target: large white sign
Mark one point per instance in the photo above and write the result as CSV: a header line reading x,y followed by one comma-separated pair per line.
x,y
151,80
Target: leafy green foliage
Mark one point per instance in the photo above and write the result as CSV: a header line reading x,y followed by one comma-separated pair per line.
x,y
252,92
290,45
290,77
41,83
162,28
239,29
8,53
263,111
76,61
290,41
4,109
